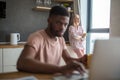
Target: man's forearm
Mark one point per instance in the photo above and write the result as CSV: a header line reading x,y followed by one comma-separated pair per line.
x,y
35,66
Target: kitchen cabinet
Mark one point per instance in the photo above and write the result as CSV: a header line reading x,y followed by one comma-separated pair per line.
x,y
0,60
8,57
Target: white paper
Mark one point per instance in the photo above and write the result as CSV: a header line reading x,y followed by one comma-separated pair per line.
x,y
27,78
72,77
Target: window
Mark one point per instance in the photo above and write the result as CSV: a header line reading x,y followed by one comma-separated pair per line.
x,y
98,21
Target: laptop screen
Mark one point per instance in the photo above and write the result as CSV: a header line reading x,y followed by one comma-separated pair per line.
x,y
105,63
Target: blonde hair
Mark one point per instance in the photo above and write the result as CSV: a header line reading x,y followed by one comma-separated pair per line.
x,y
74,16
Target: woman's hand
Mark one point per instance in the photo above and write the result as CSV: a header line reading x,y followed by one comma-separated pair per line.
x,y
84,35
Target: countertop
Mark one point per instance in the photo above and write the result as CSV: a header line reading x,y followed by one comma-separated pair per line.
x,y
16,75
20,45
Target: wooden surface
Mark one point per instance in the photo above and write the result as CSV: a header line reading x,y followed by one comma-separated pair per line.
x,y
15,75
20,45
40,8
11,46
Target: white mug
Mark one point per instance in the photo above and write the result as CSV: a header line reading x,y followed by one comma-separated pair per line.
x,y
14,38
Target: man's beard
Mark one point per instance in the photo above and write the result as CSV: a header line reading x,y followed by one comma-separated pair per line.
x,y
55,32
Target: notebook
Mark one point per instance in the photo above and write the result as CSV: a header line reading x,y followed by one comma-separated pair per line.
x,y
105,63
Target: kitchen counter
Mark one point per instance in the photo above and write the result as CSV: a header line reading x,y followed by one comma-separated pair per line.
x,y
16,75
20,45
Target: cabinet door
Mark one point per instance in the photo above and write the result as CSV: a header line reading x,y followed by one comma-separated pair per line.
x,y
0,60
9,69
10,57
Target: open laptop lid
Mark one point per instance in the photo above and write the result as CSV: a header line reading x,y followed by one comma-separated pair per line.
x,y
105,63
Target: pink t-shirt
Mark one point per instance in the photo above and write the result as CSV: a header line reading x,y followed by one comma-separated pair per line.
x,y
48,50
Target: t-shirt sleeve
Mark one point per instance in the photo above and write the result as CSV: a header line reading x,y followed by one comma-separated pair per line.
x,y
34,41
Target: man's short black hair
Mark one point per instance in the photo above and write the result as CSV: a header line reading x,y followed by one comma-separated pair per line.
x,y
59,10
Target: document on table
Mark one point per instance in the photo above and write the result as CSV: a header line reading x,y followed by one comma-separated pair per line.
x,y
27,78
72,77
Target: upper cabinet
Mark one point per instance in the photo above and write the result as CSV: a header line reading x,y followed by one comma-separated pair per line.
x,y
45,5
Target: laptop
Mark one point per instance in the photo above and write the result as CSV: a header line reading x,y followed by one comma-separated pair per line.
x,y
105,62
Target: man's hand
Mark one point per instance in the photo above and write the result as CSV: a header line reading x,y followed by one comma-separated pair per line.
x,y
73,65
83,60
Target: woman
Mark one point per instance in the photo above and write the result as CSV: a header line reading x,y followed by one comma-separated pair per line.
x,y
76,36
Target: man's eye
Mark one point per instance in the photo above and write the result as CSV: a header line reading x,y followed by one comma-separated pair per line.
x,y
58,23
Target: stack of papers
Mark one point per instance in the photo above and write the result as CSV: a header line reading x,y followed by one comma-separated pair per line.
x,y
27,78
72,77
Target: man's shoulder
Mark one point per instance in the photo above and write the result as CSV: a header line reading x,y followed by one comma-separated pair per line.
x,y
38,33
36,37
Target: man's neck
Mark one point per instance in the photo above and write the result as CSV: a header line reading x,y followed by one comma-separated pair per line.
x,y
47,30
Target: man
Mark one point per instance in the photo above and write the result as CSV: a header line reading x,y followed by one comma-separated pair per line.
x,y
44,48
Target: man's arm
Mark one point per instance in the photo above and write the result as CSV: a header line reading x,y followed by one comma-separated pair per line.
x,y
66,56
68,59
26,62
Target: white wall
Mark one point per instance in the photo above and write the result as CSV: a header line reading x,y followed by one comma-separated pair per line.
x,y
115,18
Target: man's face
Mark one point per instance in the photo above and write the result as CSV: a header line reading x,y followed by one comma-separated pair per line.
x,y
58,25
